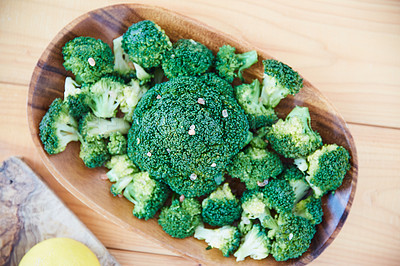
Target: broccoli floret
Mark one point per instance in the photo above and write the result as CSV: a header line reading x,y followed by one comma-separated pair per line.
x,y
254,166
292,236
327,168
180,219
310,208
88,59
230,65
187,58
129,96
147,194
297,181
185,132
145,43
77,98
117,188
279,81
226,238
245,223
221,207
57,128
122,64
294,137
117,144
94,152
104,96
92,126
259,139
254,244
248,97
120,166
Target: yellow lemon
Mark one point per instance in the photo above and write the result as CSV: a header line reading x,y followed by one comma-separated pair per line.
x,y
59,252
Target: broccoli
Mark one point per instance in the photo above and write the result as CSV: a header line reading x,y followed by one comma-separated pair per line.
x,y
117,188
122,64
327,168
254,166
104,96
248,97
88,59
120,166
77,98
221,207
129,96
92,126
254,244
291,237
117,144
185,131
226,238
259,139
297,181
230,65
279,81
245,223
180,219
147,194
217,83
57,127
187,58
146,43
294,137
94,152
310,208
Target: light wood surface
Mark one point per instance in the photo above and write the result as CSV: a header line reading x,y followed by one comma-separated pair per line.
x,y
349,50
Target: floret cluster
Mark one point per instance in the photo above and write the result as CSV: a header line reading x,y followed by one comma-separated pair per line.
x,y
205,157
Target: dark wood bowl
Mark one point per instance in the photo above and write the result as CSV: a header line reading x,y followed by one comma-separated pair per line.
x,y
108,23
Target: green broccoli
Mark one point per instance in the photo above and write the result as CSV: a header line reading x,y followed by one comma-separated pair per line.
x,y
327,168
254,244
146,43
117,143
294,137
297,181
248,97
92,126
129,96
180,219
254,166
88,59
187,58
230,65
185,131
226,238
57,127
120,166
94,152
122,64
117,188
310,208
147,194
259,139
77,98
279,81
217,83
221,207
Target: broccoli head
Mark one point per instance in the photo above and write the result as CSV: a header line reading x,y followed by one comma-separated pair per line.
x,y
88,59
93,126
248,97
259,138
254,166
184,130
279,81
180,219
117,143
187,58
129,96
120,166
58,127
327,168
230,65
294,137
226,238
145,43
76,98
254,244
94,152
221,207
310,208
148,195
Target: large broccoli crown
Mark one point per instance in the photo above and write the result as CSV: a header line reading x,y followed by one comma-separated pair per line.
x,y
254,166
93,126
94,152
248,97
145,43
57,127
327,168
88,59
184,129
147,194
230,65
187,58
254,244
180,219
279,81
310,208
294,137
221,207
226,238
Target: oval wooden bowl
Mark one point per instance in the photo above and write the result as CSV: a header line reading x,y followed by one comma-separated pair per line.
x,y
108,23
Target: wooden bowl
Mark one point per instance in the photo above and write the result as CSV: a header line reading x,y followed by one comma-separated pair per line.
x,y
108,23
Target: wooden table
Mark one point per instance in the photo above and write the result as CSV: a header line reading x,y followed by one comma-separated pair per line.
x,y
349,49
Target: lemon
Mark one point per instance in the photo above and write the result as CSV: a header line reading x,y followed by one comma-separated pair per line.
x,y
59,252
